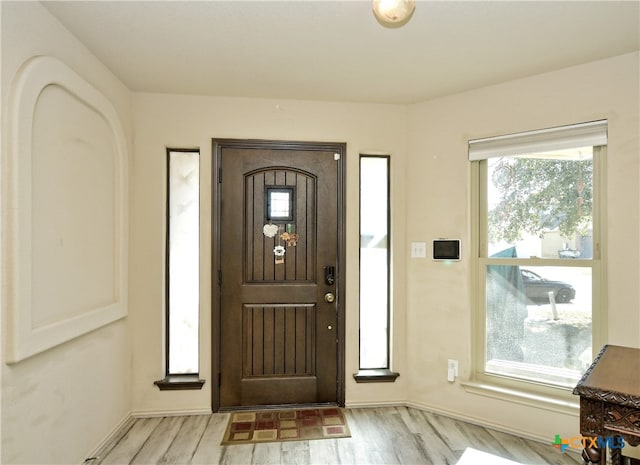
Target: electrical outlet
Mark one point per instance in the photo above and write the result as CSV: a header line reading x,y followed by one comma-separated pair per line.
x,y
453,364
452,370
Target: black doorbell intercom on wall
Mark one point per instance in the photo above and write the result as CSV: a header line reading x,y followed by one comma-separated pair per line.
x,y
446,249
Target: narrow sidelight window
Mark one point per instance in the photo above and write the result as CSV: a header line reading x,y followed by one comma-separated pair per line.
x,y
374,262
182,261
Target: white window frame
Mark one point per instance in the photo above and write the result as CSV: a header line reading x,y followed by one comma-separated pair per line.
x,y
518,389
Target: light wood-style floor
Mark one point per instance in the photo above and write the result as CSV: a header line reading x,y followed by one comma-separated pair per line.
x,y
389,435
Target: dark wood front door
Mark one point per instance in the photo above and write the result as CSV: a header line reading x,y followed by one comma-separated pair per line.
x,y
279,232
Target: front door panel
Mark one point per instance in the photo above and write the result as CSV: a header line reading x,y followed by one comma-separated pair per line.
x,y
279,228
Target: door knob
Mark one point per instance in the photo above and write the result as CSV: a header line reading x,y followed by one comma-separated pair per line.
x,y
329,297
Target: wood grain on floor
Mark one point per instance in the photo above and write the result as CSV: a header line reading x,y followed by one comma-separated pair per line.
x,y
389,435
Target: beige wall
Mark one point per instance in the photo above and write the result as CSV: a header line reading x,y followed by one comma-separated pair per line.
x,y
58,405
430,199
186,121
438,296
69,398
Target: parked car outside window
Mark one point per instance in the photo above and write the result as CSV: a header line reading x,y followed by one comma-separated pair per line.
x,y
537,288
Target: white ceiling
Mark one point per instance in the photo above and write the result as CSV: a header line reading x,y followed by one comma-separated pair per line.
x,y
336,50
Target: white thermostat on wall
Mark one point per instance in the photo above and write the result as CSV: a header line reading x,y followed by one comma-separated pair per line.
x,y
446,249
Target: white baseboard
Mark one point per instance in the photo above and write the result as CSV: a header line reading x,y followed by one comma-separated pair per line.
x,y
477,421
169,413
143,414
454,415
487,424
109,437
388,403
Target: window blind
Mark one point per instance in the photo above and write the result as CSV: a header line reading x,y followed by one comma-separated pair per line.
x,y
589,134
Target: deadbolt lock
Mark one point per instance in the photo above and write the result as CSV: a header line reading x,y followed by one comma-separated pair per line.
x,y
329,297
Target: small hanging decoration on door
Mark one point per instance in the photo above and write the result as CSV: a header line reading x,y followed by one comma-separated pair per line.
x,y
287,235
290,238
279,251
270,229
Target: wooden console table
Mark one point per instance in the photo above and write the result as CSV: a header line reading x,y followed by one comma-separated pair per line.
x,y
610,400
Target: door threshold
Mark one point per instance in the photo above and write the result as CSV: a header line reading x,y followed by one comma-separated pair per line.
x,y
241,408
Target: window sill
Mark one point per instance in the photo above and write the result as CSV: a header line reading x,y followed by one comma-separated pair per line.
x,y
180,383
560,403
375,376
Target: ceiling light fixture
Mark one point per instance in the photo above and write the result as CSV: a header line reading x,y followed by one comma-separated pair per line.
x,y
393,13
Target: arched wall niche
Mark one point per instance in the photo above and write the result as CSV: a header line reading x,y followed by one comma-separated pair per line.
x,y
65,204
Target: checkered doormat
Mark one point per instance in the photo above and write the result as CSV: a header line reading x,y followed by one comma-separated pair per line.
x,y
286,425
